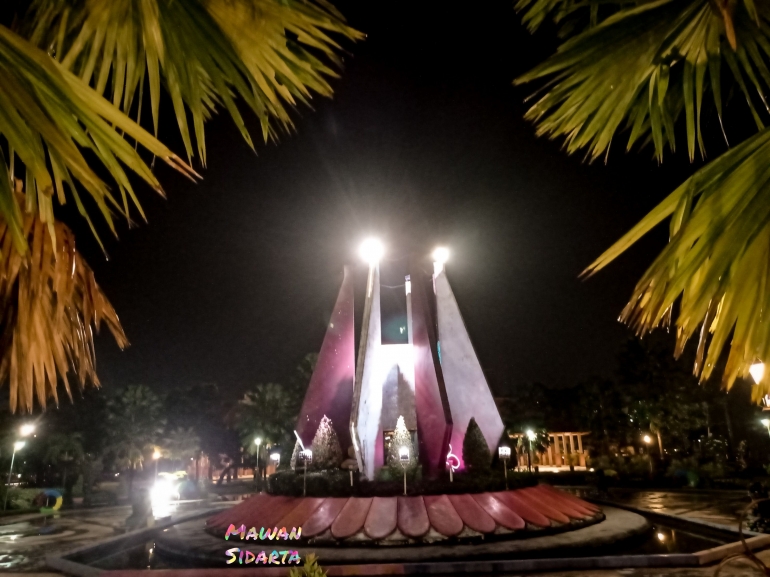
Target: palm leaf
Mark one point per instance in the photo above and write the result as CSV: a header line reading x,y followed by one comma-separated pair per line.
x,y
47,117
643,67
268,53
716,268
50,306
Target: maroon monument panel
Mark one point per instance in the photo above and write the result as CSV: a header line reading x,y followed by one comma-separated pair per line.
x,y
472,514
330,391
434,420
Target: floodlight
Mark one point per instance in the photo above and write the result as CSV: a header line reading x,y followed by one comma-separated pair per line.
x,y
757,372
371,250
27,430
441,254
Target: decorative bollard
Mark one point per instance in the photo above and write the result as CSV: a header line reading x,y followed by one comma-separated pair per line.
x,y
403,455
504,453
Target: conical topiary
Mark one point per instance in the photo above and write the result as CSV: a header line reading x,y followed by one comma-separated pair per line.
x,y
401,438
295,456
327,453
476,455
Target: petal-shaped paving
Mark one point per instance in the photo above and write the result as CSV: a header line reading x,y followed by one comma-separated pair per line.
x,y
382,518
562,506
352,517
499,512
373,519
299,516
472,514
543,507
412,516
324,516
523,510
442,515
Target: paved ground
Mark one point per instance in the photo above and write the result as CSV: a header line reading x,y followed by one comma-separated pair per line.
x,y
722,507
25,540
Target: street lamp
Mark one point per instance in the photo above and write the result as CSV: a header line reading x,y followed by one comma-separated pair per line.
x,y
757,372
531,437
306,456
647,440
17,446
27,430
504,453
155,457
403,456
258,442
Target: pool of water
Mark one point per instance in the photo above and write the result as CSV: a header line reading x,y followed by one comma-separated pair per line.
x,y
660,540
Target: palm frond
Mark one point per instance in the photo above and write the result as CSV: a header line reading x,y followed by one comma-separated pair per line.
x,y
50,306
47,117
569,14
643,67
716,267
268,53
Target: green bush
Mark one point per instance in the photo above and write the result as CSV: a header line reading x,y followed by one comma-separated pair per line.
x,y
311,568
337,483
476,455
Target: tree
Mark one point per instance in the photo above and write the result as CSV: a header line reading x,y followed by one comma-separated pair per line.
x,y
295,455
182,445
136,423
644,67
327,453
266,410
401,438
66,451
476,455
73,73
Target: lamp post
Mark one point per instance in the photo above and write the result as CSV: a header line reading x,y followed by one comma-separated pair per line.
x,y
156,457
647,440
258,443
766,423
403,456
504,453
306,456
17,446
531,437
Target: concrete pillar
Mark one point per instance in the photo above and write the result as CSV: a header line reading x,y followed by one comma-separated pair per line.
x,y
557,451
550,450
580,449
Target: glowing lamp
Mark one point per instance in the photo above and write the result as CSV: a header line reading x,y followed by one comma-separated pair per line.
x,y
757,372
371,251
504,452
647,439
306,456
156,454
18,445
276,458
27,430
765,422
258,441
531,435
403,454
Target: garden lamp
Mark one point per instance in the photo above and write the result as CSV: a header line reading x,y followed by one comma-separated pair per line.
x,y
504,453
306,456
403,456
17,446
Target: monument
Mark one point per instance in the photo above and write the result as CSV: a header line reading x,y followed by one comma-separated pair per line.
x,y
435,381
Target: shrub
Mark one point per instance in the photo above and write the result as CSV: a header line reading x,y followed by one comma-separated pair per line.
x,y
311,568
476,453
327,453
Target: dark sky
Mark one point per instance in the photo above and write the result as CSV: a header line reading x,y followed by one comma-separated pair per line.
x,y
233,278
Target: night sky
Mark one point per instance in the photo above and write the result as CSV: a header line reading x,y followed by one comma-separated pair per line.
x,y
233,279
